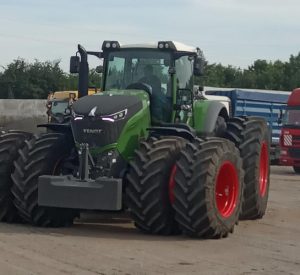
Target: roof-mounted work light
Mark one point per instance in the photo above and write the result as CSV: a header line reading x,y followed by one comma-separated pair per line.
x,y
110,45
166,45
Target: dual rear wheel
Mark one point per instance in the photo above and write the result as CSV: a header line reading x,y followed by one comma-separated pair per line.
x,y
10,144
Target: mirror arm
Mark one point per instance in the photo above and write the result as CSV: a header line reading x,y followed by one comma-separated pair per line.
x,y
97,54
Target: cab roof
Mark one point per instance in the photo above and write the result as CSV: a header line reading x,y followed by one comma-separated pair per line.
x,y
154,45
162,45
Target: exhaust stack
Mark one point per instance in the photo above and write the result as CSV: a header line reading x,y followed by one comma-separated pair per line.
x,y
83,82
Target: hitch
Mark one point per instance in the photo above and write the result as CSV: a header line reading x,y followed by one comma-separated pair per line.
x,y
84,161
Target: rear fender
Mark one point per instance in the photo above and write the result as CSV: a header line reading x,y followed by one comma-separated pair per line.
x,y
206,113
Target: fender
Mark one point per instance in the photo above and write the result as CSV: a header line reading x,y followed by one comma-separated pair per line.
x,y
206,113
173,129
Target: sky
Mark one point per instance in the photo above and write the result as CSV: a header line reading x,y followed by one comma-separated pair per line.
x,y
231,32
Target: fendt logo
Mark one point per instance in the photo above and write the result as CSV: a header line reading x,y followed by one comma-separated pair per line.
x,y
92,131
93,111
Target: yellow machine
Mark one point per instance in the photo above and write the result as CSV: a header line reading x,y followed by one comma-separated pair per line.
x,y
59,103
64,95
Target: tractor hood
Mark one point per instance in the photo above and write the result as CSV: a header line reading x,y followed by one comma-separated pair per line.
x,y
100,119
106,105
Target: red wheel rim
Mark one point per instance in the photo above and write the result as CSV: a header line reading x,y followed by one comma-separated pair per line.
x,y
172,184
263,169
227,189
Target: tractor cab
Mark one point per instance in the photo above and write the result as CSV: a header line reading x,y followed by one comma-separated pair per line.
x,y
164,70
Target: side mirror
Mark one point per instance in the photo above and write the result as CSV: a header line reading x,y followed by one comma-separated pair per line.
x,y
67,111
99,69
280,117
74,64
199,66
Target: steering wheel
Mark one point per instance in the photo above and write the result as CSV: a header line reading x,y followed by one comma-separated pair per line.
x,y
140,86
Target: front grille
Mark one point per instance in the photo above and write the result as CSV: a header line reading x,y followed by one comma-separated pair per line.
x,y
96,132
294,153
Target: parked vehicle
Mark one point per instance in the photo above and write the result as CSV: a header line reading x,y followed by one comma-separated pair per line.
x,y
290,133
262,103
145,144
59,103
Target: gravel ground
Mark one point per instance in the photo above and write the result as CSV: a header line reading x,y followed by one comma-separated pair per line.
x,y
111,245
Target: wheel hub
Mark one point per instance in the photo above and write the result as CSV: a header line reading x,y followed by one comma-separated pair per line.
x,y
226,192
263,169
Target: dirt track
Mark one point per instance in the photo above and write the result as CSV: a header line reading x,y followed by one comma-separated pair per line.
x,y
114,246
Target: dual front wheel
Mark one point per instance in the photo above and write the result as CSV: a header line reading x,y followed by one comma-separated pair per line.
x,y
23,158
10,143
196,188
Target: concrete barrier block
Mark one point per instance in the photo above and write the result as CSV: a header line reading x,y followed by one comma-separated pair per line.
x,y
22,114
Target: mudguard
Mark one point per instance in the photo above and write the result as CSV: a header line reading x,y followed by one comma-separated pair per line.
x,y
206,113
173,129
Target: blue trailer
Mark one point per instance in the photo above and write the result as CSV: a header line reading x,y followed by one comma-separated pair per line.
x,y
264,103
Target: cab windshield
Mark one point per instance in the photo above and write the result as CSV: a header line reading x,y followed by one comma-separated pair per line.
x,y
292,117
59,107
146,66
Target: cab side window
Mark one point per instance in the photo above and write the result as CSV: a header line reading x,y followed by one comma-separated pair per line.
x,y
184,72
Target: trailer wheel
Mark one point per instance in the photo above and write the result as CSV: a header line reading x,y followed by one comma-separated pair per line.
x,y
45,154
297,169
208,188
149,185
251,136
10,143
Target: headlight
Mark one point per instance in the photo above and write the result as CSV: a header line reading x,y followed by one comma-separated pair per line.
x,y
75,116
116,116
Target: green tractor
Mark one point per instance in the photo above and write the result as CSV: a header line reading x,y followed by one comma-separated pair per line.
x,y
148,144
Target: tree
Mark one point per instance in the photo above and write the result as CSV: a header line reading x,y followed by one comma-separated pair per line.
x,y
21,79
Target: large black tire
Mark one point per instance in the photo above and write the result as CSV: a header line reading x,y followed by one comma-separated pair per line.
x,y
208,188
251,136
148,194
220,127
42,155
296,169
10,143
